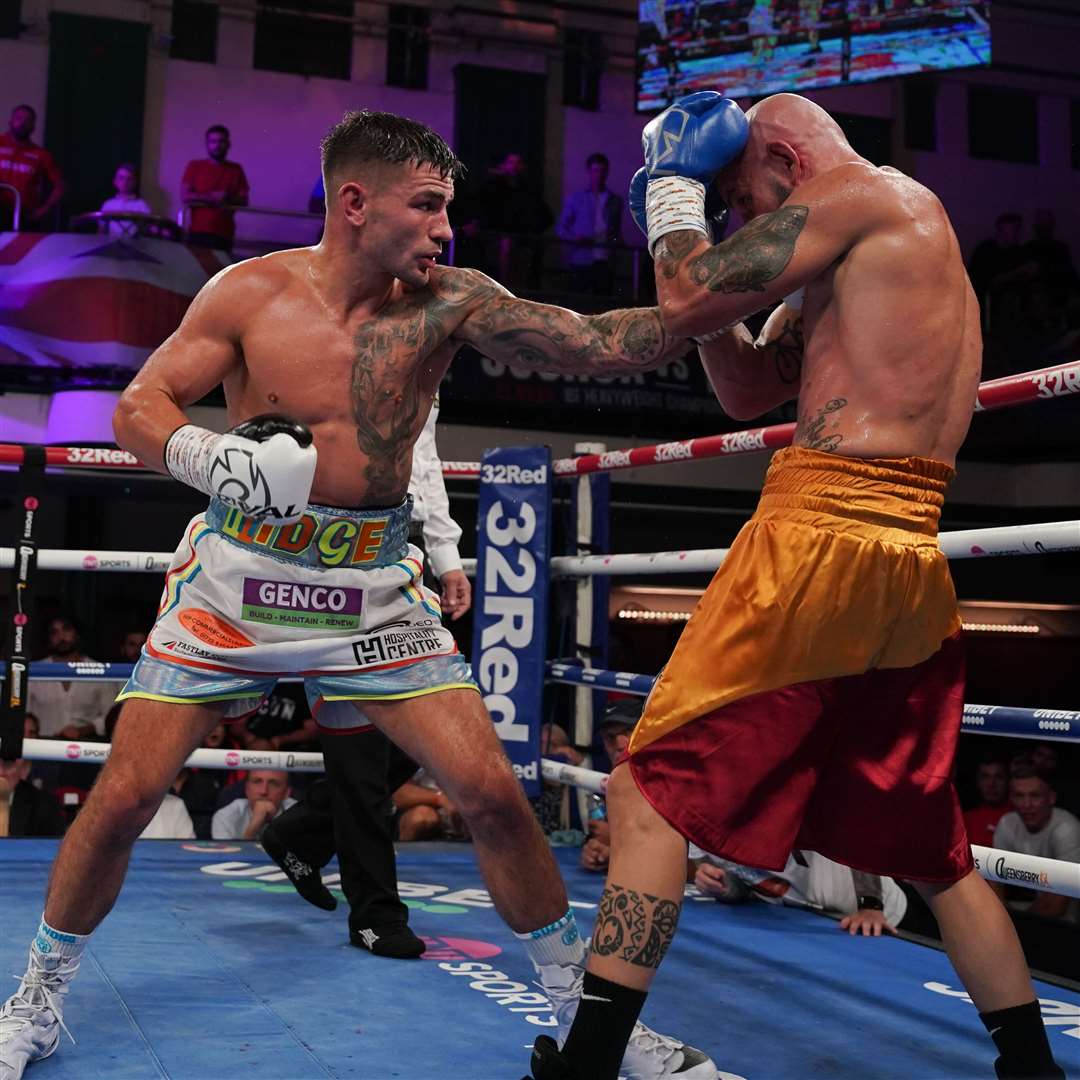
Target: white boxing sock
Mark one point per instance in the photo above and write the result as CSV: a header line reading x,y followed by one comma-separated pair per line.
x,y
559,942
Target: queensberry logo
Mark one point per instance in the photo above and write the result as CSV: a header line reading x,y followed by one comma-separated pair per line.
x,y
1005,872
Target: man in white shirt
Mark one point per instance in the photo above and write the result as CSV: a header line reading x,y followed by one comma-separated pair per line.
x,y
171,822
266,795
1035,826
72,709
351,811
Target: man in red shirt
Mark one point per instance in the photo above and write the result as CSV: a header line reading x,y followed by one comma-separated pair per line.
x,y
992,780
210,186
31,170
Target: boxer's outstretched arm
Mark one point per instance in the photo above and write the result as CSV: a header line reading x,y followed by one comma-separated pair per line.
x,y
542,337
750,377
703,286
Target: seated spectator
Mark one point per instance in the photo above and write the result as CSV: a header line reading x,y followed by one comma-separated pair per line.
x,y
31,170
992,781
556,804
591,221
72,709
211,187
266,794
1053,258
615,728
870,905
1035,826
171,822
425,813
24,809
125,201
131,646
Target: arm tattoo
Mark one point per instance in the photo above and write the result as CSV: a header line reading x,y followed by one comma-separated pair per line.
x,y
673,248
635,927
787,351
540,337
757,254
811,433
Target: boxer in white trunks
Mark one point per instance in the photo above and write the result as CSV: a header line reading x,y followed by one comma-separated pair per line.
x,y
301,563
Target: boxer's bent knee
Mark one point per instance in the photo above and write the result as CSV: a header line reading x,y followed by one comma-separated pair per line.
x,y
495,803
627,808
122,803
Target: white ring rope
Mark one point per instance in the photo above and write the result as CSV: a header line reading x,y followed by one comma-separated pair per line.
x,y
1008,867
1037,539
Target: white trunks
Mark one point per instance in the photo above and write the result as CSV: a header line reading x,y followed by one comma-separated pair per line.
x,y
337,598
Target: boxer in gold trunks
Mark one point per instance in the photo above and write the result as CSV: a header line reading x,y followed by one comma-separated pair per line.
x,y
814,699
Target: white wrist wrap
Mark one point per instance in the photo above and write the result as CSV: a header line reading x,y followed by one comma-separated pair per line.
x,y
188,454
674,203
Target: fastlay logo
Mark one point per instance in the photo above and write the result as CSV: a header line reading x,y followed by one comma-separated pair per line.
x,y
510,628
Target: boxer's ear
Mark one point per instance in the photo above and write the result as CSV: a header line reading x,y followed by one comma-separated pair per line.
x,y
785,157
355,201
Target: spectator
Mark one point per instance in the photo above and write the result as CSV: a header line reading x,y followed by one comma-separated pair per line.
x,y
69,709
131,646
31,170
615,728
24,810
281,722
510,205
1035,826
1000,269
992,781
125,201
869,905
556,803
425,813
266,794
171,822
210,186
200,789
591,221
1053,258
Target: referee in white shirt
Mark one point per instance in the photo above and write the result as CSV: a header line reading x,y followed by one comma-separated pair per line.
x,y
351,811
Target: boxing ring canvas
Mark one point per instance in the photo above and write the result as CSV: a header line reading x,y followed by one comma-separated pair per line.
x,y
212,967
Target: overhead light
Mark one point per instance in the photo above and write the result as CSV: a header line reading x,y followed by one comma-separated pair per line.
x,y
648,615
1001,628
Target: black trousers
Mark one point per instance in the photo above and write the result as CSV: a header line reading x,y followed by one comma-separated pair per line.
x,y
350,812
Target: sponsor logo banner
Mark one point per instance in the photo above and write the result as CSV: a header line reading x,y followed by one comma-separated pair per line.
x,y
287,603
387,646
510,622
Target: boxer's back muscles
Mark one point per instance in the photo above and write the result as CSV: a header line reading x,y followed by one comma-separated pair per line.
x,y
892,346
363,382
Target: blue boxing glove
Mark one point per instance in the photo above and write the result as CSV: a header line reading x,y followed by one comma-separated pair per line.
x,y
685,147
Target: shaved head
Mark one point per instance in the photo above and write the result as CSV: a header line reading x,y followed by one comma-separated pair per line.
x,y
791,140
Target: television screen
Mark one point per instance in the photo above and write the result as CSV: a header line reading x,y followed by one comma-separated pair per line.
x,y
747,48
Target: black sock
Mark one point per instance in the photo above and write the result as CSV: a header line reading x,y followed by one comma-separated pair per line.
x,y
602,1027
1020,1036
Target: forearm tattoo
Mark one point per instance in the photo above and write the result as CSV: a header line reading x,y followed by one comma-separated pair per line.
x,y
811,433
540,337
635,927
746,262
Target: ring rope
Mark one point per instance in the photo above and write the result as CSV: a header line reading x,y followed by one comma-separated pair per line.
x,y
1037,539
1031,871
1058,380
1058,725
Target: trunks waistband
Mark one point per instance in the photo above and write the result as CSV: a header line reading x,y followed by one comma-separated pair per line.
x,y
325,537
892,499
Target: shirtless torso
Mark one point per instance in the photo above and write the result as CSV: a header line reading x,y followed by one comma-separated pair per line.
x,y
884,356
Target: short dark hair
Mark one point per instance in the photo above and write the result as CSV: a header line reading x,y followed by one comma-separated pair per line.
x,y
1025,770
1010,217
367,135
28,108
220,128
597,159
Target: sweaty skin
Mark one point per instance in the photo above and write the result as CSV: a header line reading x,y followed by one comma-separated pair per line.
x,y
885,356
358,355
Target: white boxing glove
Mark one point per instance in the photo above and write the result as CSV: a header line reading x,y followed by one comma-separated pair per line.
x,y
264,466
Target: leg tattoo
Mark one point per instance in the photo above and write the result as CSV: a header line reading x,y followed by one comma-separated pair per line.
x,y
635,927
